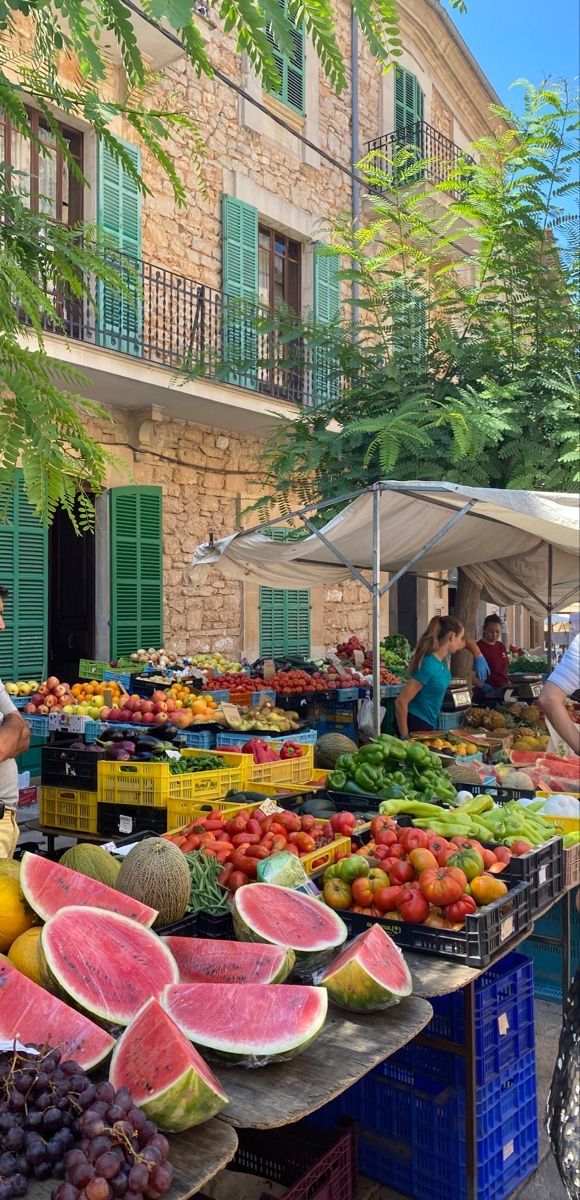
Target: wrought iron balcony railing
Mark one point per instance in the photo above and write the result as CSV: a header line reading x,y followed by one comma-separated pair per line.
x,y
172,321
438,158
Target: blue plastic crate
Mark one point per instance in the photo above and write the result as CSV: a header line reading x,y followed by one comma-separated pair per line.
x,y
258,697
386,1161
122,677
547,960
199,739
345,695
19,701
307,737
451,720
504,1015
38,725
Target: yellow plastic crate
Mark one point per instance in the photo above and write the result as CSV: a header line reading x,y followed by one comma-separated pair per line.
x,y
153,784
288,770
182,812
68,808
316,861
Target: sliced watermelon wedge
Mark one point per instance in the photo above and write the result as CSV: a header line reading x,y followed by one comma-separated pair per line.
x,y
48,887
108,964
266,912
369,975
166,1076
35,1017
201,960
254,1023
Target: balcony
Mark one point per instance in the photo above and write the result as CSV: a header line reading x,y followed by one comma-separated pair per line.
x,y
438,158
196,333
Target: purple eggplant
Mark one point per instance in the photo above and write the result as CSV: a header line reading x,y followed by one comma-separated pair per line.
x,y
116,755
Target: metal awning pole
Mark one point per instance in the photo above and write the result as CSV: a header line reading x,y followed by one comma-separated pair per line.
x,y
550,605
376,617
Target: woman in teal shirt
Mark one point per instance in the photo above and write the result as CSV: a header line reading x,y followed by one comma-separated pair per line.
x,y
418,706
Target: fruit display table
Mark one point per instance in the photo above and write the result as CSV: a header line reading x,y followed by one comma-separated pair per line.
x,y
348,1048
197,1155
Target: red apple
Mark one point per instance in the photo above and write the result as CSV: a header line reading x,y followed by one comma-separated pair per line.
x,y
160,718
30,708
126,715
42,710
133,704
60,690
146,706
52,682
171,706
37,698
148,718
160,708
115,714
51,701
137,718
157,696
105,714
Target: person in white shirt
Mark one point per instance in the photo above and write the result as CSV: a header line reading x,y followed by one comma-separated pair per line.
x,y
14,738
564,680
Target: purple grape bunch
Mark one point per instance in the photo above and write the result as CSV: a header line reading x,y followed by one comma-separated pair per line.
x,y
55,1123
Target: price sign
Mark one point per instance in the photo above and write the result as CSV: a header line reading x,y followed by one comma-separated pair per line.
x,y
269,806
506,929
172,754
503,1024
125,824
232,715
335,661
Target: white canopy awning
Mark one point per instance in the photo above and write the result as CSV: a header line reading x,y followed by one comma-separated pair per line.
x,y
501,541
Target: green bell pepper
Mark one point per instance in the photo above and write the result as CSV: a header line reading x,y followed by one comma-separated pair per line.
x,y
393,747
337,780
345,762
369,778
417,754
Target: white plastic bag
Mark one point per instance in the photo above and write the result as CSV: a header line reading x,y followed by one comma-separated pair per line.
x,y
365,717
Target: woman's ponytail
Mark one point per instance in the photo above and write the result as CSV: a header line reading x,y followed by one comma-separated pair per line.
x,y
436,632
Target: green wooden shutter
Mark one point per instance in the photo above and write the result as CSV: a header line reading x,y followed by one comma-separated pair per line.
x,y
24,571
409,100
120,317
409,323
284,623
325,378
240,283
291,68
136,538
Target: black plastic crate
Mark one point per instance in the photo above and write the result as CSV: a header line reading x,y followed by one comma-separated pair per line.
x,y
186,927
350,802
63,767
215,925
118,820
485,932
310,1163
542,868
501,794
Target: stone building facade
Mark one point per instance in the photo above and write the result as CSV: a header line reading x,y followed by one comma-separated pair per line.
x,y
197,441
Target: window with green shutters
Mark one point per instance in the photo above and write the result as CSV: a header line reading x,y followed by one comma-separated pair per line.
x,y
24,571
284,623
409,100
136,539
325,373
240,284
291,68
120,316
408,323
285,612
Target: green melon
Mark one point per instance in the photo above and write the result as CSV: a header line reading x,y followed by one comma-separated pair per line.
x,y
330,747
156,867
92,861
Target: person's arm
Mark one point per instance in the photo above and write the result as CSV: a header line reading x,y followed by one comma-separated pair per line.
x,y
402,701
552,702
14,736
480,664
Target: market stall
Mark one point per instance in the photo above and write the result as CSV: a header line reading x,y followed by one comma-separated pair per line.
x,y
522,547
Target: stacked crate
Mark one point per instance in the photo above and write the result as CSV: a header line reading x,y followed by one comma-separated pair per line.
x,y
411,1110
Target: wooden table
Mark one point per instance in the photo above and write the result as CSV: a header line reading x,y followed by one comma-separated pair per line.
x,y
197,1155
348,1048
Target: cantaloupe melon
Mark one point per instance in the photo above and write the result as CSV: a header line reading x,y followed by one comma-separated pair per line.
x,y
330,747
92,861
156,867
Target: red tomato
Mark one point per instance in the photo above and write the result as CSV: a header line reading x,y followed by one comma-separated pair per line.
x,y
337,893
489,858
385,837
400,872
503,854
225,874
443,886
246,839
521,847
289,821
413,906
258,852
387,898
309,824
379,824
421,860
460,908
211,824
413,839
438,846
237,879
254,826
304,842
191,842
242,862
